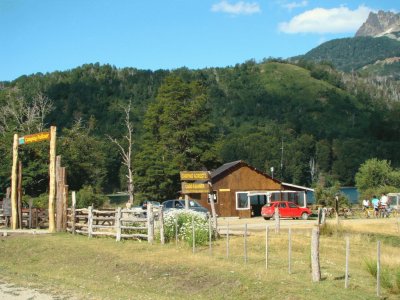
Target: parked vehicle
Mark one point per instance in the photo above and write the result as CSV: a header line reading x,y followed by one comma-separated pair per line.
x,y
286,210
154,203
180,204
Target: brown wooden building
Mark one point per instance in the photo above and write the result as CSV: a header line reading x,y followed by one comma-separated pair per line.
x,y
241,190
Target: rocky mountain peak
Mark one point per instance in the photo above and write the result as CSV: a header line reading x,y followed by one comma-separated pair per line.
x,y
379,24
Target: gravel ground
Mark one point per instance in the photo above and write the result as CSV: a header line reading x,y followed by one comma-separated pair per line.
x,y
13,292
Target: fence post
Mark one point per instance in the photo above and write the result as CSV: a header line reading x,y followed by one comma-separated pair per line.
x,y
73,211
210,233
266,246
245,243
193,235
161,220
323,218
315,267
117,224
90,221
290,250
346,277
150,223
30,213
176,231
227,240
319,218
378,269
277,220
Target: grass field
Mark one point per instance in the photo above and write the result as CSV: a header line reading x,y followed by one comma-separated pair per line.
x,y
100,268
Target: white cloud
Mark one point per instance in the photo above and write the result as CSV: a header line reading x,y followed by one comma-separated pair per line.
x,y
239,8
322,20
293,5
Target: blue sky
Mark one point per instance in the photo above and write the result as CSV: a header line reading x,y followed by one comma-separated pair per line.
x,y
49,35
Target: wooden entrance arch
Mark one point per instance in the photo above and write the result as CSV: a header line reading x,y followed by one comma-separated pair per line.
x,y
38,137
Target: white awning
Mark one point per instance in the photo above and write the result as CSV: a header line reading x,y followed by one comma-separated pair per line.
x,y
298,187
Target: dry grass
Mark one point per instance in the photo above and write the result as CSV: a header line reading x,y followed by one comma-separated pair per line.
x,y
100,268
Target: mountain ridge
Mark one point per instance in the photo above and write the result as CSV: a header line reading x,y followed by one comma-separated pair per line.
x,y
380,24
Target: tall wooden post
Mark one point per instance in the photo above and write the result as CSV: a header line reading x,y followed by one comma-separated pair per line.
x,y
59,192
315,266
73,211
14,213
65,206
19,197
52,175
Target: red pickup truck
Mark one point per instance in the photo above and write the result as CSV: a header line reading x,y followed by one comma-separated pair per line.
x,y
286,210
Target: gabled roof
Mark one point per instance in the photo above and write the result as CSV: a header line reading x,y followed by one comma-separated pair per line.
x,y
225,168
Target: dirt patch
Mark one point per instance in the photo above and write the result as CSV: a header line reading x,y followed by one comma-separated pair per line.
x,y
13,292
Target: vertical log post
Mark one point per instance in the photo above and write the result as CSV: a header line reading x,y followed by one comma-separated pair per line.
x,y
90,221
346,276
277,220
319,218
161,220
245,243
176,231
193,236
58,194
30,213
266,246
150,223
227,240
186,202
323,218
315,266
213,212
378,269
117,224
14,212
73,211
19,201
210,233
52,182
65,207
290,250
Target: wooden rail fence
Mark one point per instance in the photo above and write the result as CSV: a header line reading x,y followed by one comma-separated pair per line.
x,y
119,223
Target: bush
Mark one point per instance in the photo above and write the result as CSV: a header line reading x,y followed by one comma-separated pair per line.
x,y
87,197
41,201
182,219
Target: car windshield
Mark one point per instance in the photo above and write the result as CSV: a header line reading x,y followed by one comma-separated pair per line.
x,y
192,203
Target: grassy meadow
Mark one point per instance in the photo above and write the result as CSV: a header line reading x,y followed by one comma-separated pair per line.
x,y
100,268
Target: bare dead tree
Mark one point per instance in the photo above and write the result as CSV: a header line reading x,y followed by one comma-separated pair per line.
x,y
25,116
126,152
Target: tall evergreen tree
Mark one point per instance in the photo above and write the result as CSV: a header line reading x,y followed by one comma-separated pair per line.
x,y
178,136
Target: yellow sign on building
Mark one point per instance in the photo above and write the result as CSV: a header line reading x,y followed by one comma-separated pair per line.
x,y
195,188
194,175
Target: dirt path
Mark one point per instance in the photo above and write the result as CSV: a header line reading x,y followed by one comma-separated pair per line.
x,y
13,292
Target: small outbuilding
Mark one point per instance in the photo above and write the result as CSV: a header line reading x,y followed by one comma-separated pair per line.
x,y
240,190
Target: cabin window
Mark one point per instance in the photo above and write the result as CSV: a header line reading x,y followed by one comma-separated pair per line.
x,y
242,201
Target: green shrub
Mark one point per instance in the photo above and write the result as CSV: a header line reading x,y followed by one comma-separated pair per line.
x,y
182,219
87,197
41,201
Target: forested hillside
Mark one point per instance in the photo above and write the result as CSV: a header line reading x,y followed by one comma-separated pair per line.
x,y
350,54
304,120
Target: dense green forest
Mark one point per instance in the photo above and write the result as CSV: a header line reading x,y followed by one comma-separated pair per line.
x,y
350,54
303,119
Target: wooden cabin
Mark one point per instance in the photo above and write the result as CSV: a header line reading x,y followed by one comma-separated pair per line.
x,y
240,190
